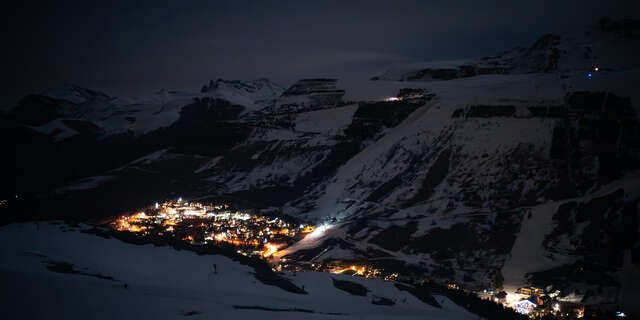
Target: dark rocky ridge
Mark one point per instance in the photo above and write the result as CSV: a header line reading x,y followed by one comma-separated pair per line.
x,y
543,56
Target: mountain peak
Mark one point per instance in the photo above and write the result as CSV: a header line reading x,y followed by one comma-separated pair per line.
x,y
75,94
248,86
253,94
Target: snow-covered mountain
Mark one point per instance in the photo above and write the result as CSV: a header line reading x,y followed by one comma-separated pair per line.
x,y
91,132
529,154
107,114
139,115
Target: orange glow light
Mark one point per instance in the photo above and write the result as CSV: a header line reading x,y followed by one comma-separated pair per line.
x,y
270,249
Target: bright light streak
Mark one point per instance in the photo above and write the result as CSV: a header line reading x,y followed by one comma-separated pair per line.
x,y
193,213
270,249
242,217
357,270
319,231
169,223
392,99
141,215
513,298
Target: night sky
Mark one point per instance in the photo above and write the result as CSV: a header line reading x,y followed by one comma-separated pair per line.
x,y
139,47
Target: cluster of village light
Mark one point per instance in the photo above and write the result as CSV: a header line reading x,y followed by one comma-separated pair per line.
x,y
202,224
532,301
252,235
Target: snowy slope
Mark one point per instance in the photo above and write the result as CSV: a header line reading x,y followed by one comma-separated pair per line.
x,y
495,169
428,124
531,254
117,115
164,283
327,121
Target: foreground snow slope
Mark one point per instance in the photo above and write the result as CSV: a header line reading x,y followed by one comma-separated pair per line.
x,y
165,283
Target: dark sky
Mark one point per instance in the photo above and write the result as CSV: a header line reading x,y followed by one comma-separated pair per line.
x,y
137,47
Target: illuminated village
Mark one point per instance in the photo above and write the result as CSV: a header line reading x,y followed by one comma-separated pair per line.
x,y
251,235
533,301
264,237
203,224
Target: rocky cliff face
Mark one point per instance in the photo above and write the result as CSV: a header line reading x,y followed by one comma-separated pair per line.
x,y
253,95
309,94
